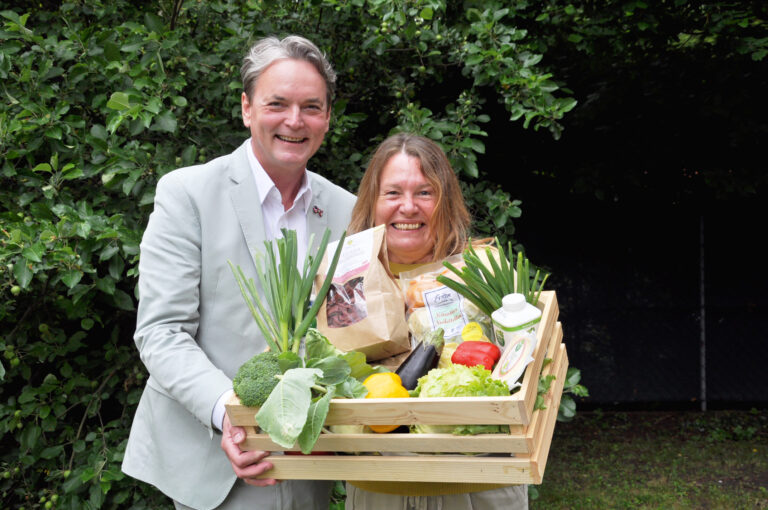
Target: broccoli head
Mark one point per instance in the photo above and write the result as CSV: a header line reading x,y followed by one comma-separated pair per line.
x,y
255,378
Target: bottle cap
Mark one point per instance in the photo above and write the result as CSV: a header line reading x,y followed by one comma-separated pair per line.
x,y
513,302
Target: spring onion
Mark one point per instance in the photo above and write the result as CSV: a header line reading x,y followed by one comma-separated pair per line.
x,y
285,312
486,284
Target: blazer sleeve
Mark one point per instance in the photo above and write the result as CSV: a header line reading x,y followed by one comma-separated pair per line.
x,y
169,298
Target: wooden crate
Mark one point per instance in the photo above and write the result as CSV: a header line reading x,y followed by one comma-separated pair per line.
x,y
515,458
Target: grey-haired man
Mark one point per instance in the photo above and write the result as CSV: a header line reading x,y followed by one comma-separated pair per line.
x,y
193,329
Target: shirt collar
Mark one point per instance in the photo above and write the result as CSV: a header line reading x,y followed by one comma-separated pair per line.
x,y
265,185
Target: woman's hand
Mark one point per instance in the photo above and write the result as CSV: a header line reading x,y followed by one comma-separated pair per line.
x,y
248,465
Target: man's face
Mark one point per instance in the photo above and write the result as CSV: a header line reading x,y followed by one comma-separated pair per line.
x,y
288,116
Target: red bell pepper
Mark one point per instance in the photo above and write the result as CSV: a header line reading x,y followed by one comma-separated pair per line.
x,y
473,353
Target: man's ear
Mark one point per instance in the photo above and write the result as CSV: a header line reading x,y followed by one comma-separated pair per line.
x,y
328,118
245,104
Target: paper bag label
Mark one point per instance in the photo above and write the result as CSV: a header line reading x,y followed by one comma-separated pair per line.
x,y
445,310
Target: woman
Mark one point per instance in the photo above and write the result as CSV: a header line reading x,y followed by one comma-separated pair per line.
x,y
410,187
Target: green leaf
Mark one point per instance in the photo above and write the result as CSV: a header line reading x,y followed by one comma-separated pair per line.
x,y
99,132
318,411
119,101
165,122
154,22
123,300
33,252
572,377
52,452
71,277
567,409
426,13
284,413
22,273
70,171
54,132
29,436
106,285
335,370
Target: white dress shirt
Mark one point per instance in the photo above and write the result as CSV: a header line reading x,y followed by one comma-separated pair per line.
x,y
275,218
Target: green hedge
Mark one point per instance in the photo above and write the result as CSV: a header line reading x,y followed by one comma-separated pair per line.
x,y
102,98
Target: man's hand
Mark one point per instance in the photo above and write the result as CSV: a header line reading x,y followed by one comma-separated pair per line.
x,y
246,465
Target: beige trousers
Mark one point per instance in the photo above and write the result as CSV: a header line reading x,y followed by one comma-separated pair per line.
x,y
514,497
286,495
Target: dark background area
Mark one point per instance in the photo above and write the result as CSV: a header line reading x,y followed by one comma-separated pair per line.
x,y
660,169
628,282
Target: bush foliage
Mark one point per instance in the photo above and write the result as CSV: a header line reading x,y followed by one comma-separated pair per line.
x,y
102,98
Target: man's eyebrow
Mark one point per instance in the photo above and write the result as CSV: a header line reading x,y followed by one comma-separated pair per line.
x,y
312,100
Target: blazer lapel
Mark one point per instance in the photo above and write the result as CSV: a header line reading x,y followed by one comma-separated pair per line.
x,y
245,200
317,219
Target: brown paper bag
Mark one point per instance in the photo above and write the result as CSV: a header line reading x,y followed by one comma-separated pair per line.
x,y
364,309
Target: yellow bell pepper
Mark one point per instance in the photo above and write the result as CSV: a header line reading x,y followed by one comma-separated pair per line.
x,y
473,332
385,385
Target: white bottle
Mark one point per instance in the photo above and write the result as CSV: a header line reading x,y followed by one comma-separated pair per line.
x,y
515,325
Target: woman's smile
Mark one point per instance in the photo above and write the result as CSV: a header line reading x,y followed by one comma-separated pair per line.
x,y
405,205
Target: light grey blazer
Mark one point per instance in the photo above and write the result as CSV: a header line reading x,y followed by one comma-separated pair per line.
x,y
193,328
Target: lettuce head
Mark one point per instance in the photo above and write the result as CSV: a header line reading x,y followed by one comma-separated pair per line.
x,y
460,381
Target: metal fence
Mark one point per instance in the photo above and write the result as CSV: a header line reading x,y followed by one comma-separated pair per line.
x,y
661,306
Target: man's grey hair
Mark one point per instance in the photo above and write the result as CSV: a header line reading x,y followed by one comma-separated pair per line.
x,y
270,49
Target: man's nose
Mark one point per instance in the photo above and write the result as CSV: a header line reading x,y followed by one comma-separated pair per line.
x,y
294,118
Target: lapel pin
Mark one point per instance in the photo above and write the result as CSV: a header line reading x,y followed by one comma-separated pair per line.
x,y
317,210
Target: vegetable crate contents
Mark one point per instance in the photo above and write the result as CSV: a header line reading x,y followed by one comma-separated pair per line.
x,y
515,457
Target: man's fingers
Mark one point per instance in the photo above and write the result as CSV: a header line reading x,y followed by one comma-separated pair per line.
x,y
247,465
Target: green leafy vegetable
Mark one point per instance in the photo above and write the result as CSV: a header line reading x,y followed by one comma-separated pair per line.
x,y
284,414
460,381
318,346
298,404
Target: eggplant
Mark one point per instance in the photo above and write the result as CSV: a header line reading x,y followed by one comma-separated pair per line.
x,y
422,359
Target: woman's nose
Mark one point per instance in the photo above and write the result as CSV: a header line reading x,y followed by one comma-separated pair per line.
x,y
408,205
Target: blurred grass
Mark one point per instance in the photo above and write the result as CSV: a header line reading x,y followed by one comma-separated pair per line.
x,y
658,460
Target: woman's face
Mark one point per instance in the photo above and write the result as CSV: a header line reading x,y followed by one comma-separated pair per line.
x,y
405,205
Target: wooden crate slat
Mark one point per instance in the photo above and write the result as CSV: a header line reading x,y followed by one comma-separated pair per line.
x,y
539,458
549,314
405,411
482,443
540,436
428,411
551,368
423,468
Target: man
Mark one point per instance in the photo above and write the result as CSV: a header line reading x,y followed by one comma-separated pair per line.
x,y
193,328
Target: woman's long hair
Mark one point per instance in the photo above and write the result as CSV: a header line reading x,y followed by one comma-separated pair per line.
x,y
450,220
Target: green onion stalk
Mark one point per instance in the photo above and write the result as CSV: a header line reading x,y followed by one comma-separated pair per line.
x,y
486,285
285,312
